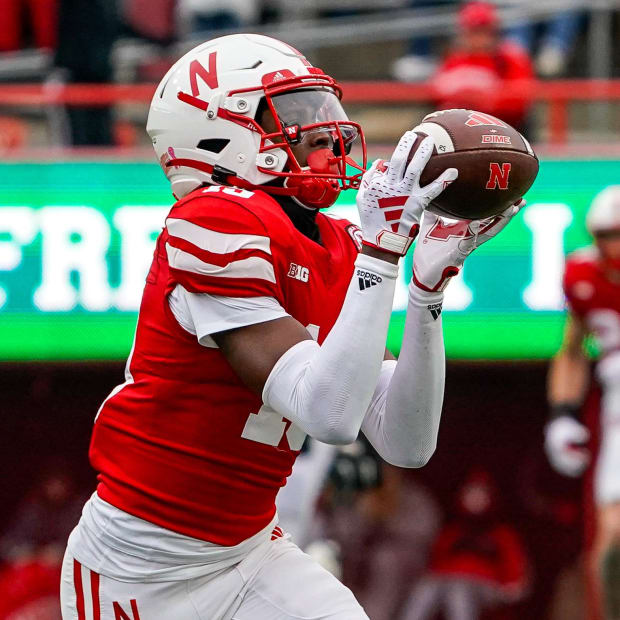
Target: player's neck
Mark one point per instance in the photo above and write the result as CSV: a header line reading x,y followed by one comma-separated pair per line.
x,y
304,219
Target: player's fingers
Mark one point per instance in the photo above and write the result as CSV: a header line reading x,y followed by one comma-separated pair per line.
x,y
479,227
433,189
398,161
513,209
419,160
429,220
492,225
377,166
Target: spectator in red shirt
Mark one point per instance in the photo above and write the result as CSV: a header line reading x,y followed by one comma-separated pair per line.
x,y
478,561
482,72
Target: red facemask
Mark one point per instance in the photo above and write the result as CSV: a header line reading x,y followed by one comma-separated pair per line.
x,y
317,184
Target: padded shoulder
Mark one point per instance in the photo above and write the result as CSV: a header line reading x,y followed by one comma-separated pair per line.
x,y
224,241
228,209
345,228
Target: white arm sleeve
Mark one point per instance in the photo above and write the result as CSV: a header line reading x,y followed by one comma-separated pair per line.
x,y
402,421
325,390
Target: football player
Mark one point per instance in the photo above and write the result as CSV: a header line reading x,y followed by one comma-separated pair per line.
x,y
592,288
262,320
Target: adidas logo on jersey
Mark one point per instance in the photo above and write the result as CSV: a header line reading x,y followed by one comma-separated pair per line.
x,y
367,279
435,310
298,272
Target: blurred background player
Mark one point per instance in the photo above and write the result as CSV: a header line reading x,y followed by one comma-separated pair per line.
x,y
592,288
483,72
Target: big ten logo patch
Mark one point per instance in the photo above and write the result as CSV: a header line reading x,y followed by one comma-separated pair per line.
x,y
297,272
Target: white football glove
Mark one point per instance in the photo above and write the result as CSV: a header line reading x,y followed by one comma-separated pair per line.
x,y
444,245
390,200
564,445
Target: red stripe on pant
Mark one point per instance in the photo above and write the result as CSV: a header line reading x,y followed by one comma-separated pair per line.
x,y
94,591
79,590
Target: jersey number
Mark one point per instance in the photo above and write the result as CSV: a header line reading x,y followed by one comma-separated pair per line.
x,y
269,427
232,191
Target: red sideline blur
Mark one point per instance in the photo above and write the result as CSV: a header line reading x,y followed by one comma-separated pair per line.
x,y
557,94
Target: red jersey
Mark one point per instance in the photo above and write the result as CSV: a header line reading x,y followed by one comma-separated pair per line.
x,y
479,81
594,297
493,554
183,443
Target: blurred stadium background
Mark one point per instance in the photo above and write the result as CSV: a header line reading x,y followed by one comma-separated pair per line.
x,y
82,200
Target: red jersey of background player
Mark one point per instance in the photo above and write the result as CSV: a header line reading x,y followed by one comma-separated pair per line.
x,y
183,443
594,297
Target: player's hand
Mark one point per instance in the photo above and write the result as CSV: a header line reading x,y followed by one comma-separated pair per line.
x,y
565,440
390,200
444,245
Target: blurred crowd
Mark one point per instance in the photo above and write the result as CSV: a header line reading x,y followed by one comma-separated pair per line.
x,y
406,552
33,543
485,64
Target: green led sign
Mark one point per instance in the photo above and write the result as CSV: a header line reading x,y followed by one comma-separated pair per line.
x,y
76,240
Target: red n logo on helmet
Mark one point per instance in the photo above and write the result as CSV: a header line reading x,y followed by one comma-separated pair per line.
x,y
209,77
498,176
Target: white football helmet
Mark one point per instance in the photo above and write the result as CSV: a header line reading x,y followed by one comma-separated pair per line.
x,y
205,121
603,219
604,212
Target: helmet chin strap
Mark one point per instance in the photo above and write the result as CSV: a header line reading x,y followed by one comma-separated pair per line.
x,y
311,191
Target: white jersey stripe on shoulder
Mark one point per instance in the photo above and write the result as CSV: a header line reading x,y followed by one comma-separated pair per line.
x,y
252,267
214,241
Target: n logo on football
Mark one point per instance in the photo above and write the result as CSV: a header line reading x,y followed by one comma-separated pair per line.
x,y
208,76
498,177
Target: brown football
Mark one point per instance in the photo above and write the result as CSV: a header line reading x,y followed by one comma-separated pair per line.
x,y
496,163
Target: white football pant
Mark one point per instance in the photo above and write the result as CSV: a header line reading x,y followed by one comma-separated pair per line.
x,y
282,583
